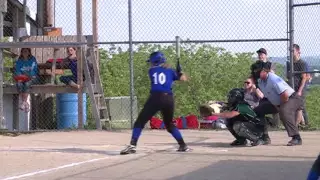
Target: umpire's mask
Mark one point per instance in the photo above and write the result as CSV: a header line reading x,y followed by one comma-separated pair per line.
x,y
257,67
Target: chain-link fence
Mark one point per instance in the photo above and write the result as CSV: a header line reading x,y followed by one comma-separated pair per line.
x,y
218,42
306,56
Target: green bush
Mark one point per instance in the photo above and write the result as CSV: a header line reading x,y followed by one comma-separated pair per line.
x,y
212,72
312,102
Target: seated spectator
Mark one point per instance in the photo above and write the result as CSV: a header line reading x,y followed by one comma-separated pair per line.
x,y
70,62
252,95
26,74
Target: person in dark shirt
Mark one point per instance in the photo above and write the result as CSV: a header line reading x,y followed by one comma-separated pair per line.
x,y
71,63
160,99
300,80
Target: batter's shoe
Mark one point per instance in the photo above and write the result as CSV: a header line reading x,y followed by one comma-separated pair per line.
x,y
183,148
131,149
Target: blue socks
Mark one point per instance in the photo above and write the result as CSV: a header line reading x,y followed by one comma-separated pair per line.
x,y
176,134
312,176
136,132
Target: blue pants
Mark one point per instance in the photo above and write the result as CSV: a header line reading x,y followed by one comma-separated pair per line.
x,y
314,172
67,79
24,87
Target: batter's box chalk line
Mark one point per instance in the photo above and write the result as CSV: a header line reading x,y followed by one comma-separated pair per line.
x,y
54,169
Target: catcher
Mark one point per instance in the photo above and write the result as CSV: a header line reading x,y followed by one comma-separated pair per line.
x,y
242,121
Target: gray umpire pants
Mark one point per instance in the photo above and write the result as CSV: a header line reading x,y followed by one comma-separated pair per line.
x,y
288,113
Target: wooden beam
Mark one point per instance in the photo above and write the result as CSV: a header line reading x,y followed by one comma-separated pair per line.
x,y
95,33
42,44
49,13
42,89
40,16
16,4
95,20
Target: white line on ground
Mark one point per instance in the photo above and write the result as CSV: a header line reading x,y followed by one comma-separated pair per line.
x,y
54,169
53,147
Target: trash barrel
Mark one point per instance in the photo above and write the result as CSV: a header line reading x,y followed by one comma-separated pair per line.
x,y
67,110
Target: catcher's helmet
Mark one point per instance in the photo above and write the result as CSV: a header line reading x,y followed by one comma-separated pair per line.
x,y
157,58
235,96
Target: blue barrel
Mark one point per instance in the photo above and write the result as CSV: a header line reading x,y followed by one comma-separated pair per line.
x,y
67,110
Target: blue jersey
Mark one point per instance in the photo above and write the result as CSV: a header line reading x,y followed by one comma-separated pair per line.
x,y
162,79
73,67
27,67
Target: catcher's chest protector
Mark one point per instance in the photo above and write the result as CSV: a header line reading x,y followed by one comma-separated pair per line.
x,y
247,113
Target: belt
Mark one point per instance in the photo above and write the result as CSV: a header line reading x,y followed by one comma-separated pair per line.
x,y
291,96
159,93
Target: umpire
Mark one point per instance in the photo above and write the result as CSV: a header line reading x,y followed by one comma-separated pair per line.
x,y
282,96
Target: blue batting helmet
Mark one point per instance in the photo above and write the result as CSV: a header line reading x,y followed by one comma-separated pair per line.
x,y
157,58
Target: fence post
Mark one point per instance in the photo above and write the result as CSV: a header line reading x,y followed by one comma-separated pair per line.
x,y
3,9
291,41
131,62
79,63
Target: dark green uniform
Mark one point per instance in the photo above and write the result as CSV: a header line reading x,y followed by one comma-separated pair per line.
x,y
246,125
245,110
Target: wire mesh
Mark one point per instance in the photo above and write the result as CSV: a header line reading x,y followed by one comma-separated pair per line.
x,y
306,28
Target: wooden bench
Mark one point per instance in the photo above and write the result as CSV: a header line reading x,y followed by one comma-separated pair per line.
x,y
41,89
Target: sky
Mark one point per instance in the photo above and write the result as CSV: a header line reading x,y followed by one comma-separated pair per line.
x,y
198,20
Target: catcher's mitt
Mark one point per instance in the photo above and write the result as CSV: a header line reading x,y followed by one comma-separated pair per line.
x,y
205,110
209,108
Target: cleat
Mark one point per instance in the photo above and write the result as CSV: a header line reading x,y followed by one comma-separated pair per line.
x,y
128,150
183,148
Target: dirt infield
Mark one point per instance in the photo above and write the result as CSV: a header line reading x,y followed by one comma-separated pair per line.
x,y
83,155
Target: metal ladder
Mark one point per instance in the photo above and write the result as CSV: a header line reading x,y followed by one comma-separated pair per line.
x,y
100,108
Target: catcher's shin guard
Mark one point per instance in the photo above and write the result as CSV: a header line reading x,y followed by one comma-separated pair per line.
x,y
241,129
